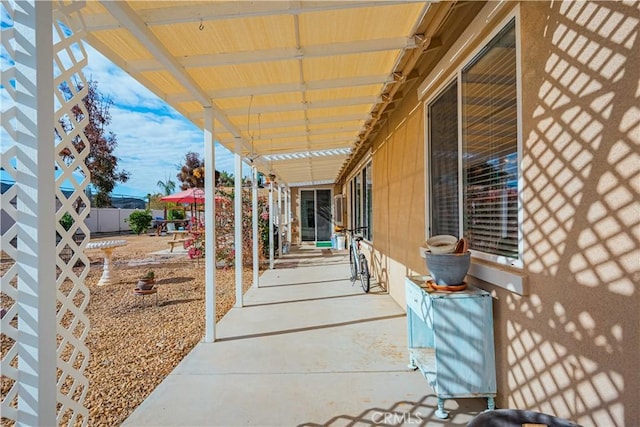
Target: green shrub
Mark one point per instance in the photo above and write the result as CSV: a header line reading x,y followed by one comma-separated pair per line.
x,y
66,221
140,221
174,214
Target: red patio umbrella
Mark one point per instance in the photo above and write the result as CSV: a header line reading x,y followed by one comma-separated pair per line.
x,y
193,196
190,195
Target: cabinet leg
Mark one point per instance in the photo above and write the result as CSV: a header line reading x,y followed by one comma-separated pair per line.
x,y
491,403
412,365
440,412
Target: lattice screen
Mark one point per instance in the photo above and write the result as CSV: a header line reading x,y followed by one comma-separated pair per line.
x,y
72,266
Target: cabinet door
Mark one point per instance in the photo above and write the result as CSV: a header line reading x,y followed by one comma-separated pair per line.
x,y
464,345
418,301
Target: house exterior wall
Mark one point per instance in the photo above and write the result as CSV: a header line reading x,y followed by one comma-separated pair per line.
x,y
569,345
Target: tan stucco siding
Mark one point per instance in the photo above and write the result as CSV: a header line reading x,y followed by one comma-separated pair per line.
x,y
570,346
398,199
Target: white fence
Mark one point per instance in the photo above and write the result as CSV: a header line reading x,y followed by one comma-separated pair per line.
x,y
99,220
111,220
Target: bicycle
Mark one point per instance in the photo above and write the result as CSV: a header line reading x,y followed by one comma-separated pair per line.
x,y
357,260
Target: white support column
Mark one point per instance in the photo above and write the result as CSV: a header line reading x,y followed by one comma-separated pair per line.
x,y
271,219
35,219
285,221
279,220
209,226
238,220
254,223
289,216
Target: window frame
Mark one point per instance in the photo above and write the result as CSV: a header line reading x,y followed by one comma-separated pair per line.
x,y
360,207
455,76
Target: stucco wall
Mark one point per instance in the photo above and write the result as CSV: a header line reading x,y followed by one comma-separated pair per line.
x,y
399,198
570,347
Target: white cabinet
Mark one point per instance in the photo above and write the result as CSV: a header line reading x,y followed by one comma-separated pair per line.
x,y
450,338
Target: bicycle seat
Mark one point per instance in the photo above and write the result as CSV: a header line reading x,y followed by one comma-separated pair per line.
x,y
358,237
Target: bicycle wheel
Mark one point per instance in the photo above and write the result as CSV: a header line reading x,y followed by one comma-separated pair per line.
x,y
352,262
364,273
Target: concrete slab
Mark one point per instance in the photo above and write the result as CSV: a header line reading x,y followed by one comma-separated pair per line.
x,y
308,349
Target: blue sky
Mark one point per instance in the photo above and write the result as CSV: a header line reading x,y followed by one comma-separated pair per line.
x,y
152,137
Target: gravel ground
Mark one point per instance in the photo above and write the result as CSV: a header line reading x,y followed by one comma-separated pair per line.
x,y
133,343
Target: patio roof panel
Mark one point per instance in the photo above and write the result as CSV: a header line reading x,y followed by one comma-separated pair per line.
x,y
123,42
312,71
335,26
165,80
230,35
258,74
343,66
343,92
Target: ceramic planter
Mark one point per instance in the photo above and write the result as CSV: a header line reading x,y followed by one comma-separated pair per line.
x,y
448,269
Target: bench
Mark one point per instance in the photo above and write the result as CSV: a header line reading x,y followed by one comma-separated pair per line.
x,y
172,243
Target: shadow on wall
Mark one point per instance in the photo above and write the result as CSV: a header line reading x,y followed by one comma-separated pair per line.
x,y
573,344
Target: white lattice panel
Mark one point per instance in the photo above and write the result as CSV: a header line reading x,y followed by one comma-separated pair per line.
x,y
8,242
71,264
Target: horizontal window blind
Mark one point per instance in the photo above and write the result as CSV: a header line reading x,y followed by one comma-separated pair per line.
x,y
489,136
443,163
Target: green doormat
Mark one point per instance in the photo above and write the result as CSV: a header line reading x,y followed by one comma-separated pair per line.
x,y
323,244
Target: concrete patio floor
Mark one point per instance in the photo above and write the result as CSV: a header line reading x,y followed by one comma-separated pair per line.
x,y
309,348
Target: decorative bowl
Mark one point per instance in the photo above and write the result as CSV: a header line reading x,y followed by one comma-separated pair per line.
x,y
442,244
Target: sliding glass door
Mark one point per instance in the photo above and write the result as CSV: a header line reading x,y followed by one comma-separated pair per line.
x,y
315,215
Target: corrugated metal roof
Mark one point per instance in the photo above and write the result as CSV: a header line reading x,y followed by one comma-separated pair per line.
x,y
299,82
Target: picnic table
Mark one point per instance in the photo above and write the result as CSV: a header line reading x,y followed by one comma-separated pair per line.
x,y
177,238
161,224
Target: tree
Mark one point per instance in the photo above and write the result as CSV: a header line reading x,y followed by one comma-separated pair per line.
x,y
191,174
100,161
226,179
167,186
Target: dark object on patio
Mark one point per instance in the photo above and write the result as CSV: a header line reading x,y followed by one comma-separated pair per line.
x,y
516,418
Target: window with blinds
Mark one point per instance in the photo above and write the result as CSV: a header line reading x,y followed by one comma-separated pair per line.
x,y
490,145
443,162
486,109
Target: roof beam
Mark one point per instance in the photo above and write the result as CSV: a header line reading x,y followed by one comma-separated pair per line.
x,y
276,147
304,133
279,108
288,87
328,103
283,54
311,122
296,155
